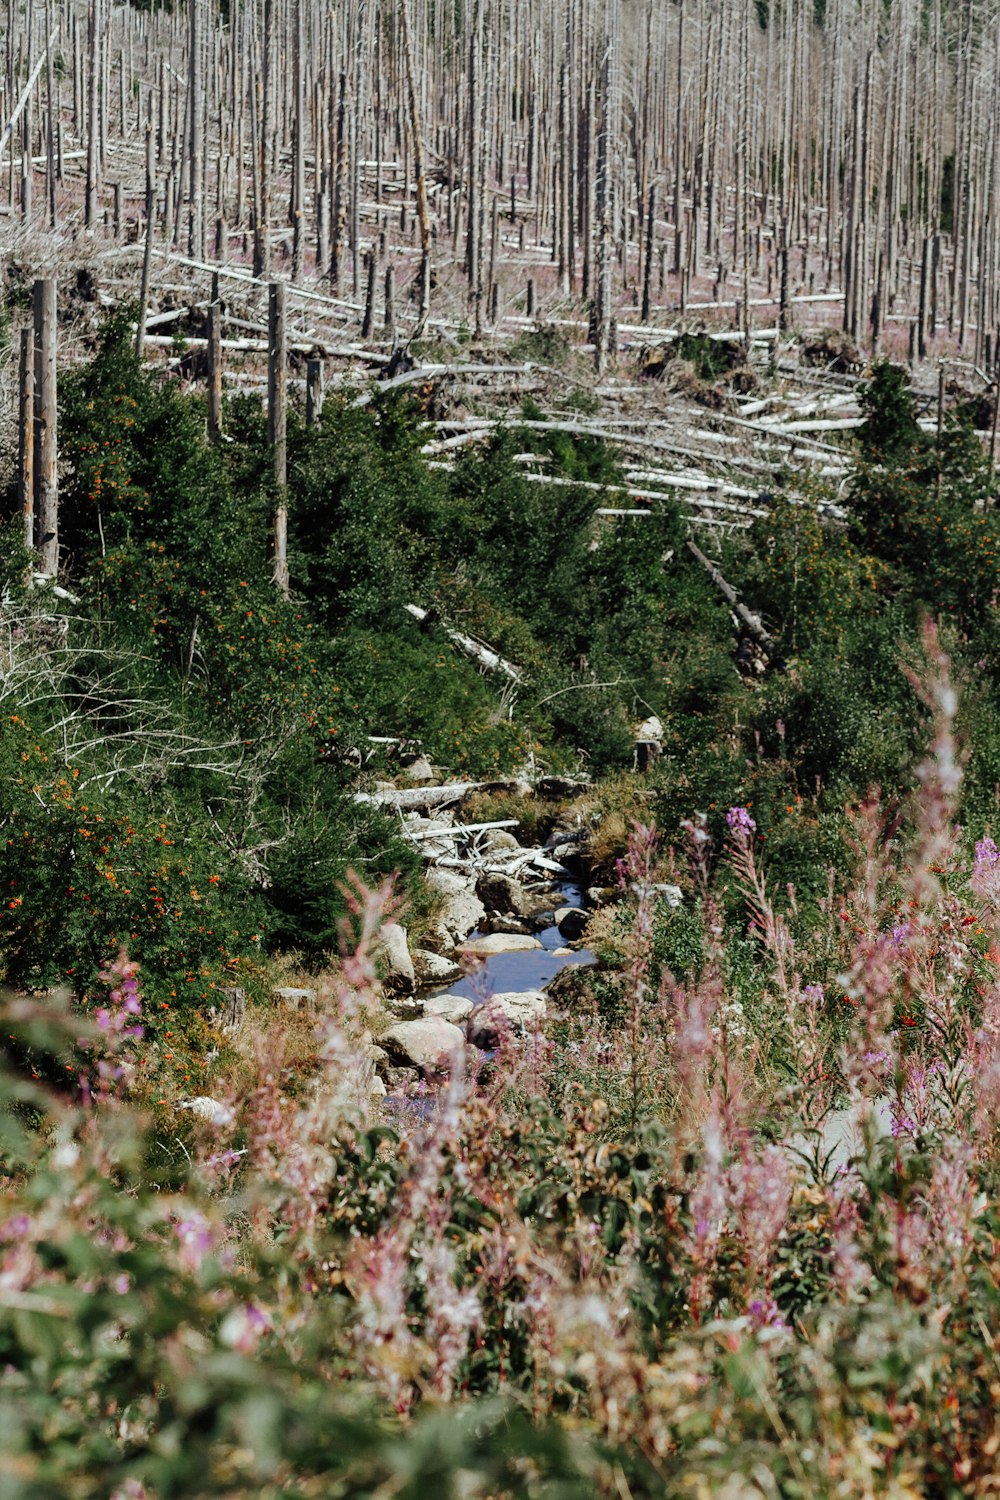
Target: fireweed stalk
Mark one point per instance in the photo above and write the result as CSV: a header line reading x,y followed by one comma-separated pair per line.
x,y
113,1053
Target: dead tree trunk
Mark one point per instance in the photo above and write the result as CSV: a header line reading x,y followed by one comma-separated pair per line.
x,y
423,211
277,396
147,255
46,455
26,436
215,371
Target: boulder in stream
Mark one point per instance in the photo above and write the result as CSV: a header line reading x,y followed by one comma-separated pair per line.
x,y
453,1008
429,1043
392,959
461,908
435,968
500,942
501,893
572,922
513,1014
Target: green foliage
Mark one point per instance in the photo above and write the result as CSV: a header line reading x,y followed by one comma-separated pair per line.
x,y
890,432
810,582
711,358
84,872
263,707
923,506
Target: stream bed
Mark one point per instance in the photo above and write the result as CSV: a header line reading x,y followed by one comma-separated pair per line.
x,y
506,973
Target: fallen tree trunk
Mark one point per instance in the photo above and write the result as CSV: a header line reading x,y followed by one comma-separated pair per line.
x,y
413,798
487,658
746,616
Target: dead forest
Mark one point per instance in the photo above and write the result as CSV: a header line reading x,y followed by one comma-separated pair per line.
x,y
627,156
613,171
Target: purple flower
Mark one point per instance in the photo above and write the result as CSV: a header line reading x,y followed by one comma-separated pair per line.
x,y
987,854
765,1314
740,821
16,1228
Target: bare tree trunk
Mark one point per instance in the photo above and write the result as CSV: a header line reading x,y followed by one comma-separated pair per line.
x,y
423,211
215,370
45,445
298,151
277,399
93,138
602,319
196,227
368,320
314,391
26,436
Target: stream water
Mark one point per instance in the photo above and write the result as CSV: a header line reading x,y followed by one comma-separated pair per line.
x,y
506,973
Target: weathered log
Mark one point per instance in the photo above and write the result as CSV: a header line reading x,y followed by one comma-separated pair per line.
x,y
746,616
491,660
413,798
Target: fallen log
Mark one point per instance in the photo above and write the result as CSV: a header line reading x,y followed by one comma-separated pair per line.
x,y
458,829
411,799
746,616
491,660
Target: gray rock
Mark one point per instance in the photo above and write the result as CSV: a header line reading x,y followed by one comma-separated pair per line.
x,y
501,942
501,893
294,999
572,922
377,1088
659,890
542,904
496,923
513,1014
840,1137
419,772
603,895
453,1008
500,840
392,959
428,1043
461,908
435,968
